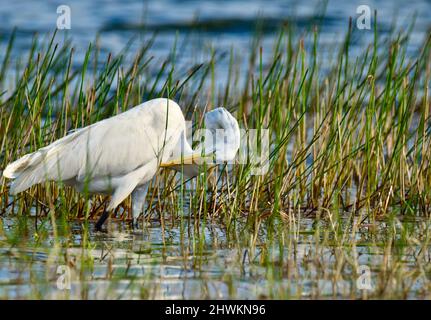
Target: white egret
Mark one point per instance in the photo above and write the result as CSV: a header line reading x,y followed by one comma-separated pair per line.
x,y
120,155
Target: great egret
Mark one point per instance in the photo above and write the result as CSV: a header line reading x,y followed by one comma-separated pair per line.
x,y
121,154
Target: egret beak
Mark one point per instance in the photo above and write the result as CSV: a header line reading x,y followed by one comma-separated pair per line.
x,y
187,160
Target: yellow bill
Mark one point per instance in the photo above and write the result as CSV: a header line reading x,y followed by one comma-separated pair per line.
x,y
191,159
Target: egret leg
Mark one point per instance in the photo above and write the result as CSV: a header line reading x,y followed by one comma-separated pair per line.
x,y
102,220
138,202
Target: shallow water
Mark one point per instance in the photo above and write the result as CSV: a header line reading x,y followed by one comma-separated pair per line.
x,y
180,262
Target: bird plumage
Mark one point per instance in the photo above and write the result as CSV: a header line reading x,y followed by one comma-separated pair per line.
x,y
120,154
109,153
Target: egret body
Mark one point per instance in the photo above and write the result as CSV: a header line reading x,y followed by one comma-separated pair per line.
x,y
119,156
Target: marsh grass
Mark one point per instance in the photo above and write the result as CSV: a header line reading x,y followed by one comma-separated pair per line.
x,y
349,169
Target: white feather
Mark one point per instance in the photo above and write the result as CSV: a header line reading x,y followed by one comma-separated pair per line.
x,y
121,154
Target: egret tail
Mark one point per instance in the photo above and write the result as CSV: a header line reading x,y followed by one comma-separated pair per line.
x,y
43,164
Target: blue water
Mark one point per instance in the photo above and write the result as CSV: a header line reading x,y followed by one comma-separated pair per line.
x,y
225,25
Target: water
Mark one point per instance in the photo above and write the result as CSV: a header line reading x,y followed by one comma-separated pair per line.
x,y
223,25
178,261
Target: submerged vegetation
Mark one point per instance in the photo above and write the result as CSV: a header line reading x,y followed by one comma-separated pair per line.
x,y
348,182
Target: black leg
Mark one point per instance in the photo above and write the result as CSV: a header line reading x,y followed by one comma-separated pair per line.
x,y
102,220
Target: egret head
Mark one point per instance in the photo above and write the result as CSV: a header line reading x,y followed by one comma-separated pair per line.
x,y
220,139
223,136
